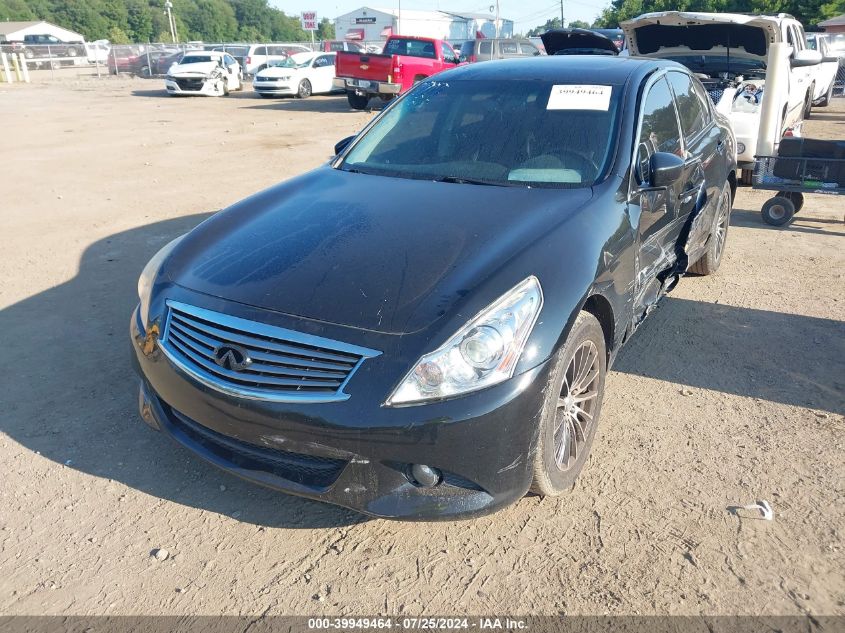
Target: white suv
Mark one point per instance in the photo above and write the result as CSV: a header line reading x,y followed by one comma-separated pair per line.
x,y
729,52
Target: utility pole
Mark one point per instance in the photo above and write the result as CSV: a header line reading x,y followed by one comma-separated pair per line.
x,y
562,22
497,17
168,5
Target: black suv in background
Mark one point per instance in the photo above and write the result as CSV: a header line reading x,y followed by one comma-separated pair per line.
x,y
483,50
44,45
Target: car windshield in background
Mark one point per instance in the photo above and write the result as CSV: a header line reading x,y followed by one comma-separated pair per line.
x,y
511,133
196,59
288,62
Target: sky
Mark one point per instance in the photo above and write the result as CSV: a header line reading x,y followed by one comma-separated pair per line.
x,y
525,13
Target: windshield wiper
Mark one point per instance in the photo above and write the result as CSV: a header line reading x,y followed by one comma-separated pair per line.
x,y
469,181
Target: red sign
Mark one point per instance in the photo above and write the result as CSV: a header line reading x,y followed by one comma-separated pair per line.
x,y
309,21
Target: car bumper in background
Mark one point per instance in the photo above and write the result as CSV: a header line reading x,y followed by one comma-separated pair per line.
x,y
356,453
364,86
203,88
274,88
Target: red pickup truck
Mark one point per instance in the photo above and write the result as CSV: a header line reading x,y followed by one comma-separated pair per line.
x,y
404,61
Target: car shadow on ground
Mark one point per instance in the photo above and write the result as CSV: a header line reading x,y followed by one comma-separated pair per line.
x,y
787,358
320,103
754,220
68,391
158,93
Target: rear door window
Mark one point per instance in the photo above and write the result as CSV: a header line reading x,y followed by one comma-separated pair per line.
x,y
260,50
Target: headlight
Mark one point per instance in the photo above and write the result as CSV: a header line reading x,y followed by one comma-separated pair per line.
x,y
482,353
148,275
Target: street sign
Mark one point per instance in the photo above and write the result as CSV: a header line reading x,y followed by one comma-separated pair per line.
x,y
309,21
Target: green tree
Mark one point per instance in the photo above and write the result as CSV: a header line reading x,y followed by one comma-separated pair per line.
x,y
554,23
578,24
116,35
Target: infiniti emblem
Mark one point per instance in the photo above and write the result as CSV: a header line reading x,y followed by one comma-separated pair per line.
x,y
232,357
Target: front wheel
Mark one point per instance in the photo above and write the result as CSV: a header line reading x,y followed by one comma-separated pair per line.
x,y
71,52
709,262
356,101
304,90
796,197
825,100
571,410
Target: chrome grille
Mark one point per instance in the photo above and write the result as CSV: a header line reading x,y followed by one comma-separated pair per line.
x,y
283,365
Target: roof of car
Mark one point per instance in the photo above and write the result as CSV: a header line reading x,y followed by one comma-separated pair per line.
x,y
571,69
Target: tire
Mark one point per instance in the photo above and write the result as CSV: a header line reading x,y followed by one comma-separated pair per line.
x,y
796,197
71,52
145,72
27,52
808,105
564,439
304,90
357,102
825,100
709,262
778,211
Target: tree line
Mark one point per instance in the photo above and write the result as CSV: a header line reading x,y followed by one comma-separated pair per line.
x,y
809,12
124,21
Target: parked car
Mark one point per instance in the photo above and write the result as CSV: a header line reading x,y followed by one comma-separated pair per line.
x,y
342,45
207,73
301,74
164,63
404,62
44,45
827,70
615,35
482,50
97,52
258,56
422,327
729,52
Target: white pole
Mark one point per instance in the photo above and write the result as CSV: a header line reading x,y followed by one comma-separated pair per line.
x,y
24,68
497,18
777,79
6,72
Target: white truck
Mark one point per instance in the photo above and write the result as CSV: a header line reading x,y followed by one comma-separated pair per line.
x,y
729,53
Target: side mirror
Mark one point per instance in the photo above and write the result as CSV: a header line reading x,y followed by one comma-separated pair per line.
x,y
342,144
806,58
664,169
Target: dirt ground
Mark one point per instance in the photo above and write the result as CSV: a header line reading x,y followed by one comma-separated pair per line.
x,y
733,391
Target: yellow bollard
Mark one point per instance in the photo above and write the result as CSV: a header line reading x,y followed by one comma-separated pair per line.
x,y
24,67
4,61
16,66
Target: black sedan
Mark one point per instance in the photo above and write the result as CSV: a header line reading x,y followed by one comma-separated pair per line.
x,y
421,328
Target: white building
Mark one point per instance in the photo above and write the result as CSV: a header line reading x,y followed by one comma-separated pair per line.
x,y
15,31
369,24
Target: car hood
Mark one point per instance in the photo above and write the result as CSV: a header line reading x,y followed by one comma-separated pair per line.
x,y
202,68
278,71
558,41
383,254
670,33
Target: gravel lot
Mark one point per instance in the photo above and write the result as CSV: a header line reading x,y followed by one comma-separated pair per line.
x,y
731,392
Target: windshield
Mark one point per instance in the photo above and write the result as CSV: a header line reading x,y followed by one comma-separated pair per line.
x,y
290,62
196,59
510,133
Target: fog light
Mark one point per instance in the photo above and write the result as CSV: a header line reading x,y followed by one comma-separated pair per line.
x,y
425,476
740,148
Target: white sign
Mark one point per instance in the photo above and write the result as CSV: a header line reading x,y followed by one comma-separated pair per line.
x,y
579,97
309,21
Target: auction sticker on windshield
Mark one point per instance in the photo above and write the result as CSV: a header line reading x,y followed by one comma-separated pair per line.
x,y
579,97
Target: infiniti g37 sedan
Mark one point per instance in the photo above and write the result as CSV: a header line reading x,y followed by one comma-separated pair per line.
x,y
422,327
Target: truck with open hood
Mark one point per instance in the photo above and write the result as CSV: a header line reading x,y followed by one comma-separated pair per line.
x,y
729,53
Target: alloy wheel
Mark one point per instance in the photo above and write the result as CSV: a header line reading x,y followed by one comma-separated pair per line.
x,y
722,225
576,405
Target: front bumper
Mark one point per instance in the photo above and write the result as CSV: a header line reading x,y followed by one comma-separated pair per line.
x,y
204,87
364,86
274,88
355,453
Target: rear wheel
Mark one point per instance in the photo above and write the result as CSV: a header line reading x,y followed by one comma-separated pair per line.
x,y
709,262
808,104
71,52
796,197
778,211
571,410
356,101
27,52
304,90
